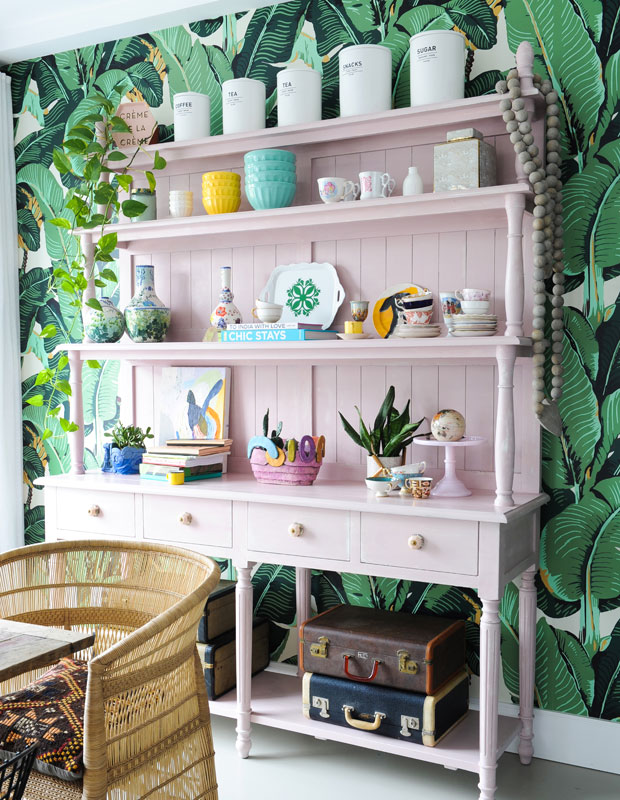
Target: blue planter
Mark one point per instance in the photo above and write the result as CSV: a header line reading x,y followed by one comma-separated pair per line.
x,y
126,461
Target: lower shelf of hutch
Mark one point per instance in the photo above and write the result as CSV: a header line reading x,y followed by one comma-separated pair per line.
x,y
276,702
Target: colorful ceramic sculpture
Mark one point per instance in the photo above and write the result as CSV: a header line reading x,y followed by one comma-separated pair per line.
x,y
448,425
275,460
225,312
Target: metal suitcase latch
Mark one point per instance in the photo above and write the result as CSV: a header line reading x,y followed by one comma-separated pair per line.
x,y
323,704
406,664
408,724
320,650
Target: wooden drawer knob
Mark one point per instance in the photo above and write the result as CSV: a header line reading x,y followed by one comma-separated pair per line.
x,y
94,511
416,542
185,518
296,529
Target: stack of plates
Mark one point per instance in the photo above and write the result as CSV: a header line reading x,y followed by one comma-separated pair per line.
x,y
473,325
417,331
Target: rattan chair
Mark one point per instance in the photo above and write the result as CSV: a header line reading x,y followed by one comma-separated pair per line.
x,y
147,731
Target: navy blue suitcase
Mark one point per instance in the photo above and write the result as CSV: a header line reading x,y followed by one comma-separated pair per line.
x,y
397,713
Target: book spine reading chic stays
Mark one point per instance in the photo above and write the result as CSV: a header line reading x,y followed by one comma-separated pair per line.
x,y
267,335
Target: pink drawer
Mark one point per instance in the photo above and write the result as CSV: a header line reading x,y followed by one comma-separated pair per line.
x,y
188,520
290,530
446,545
107,513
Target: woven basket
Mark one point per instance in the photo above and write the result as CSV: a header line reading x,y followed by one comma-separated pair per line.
x,y
291,473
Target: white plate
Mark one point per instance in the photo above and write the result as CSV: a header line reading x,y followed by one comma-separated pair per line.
x,y
416,332
353,336
308,292
473,333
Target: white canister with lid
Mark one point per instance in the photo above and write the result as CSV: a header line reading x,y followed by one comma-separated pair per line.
x,y
437,67
299,96
192,116
365,79
243,105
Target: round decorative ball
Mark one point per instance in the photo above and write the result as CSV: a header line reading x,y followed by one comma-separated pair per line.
x,y
448,425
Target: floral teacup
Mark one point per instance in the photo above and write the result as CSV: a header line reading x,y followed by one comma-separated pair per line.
x,y
417,317
420,487
333,190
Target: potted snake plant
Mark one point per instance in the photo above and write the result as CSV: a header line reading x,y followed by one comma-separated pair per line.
x,y
387,439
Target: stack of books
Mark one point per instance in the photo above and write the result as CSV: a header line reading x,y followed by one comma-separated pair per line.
x,y
198,459
275,332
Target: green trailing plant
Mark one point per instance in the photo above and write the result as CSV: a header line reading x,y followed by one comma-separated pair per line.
x,y
93,169
391,432
128,435
275,434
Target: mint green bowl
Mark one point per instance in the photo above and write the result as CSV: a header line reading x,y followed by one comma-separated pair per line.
x,y
269,194
254,175
261,156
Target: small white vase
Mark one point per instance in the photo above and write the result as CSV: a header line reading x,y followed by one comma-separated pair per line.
x,y
413,183
372,468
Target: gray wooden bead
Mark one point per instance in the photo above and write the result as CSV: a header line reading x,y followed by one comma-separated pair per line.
x,y
538,323
532,150
519,146
557,313
558,290
559,277
513,126
548,245
552,182
513,74
528,164
539,308
553,146
546,86
557,382
501,87
557,369
557,301
553,133
509,115
540,187
552,97
554,158
556,347
518,104
538,408
553,169
538,273
538,237
539,211
529,139
514,92
513,81
540,298
535,176
538,248
557,324
541,199
521,116
516,137
556,359
553,110
538,360
553,121
538,385
524,157
556,394
505,105
538,224
539,347
539,261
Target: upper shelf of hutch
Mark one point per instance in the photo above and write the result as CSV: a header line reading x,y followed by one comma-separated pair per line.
x,y
361,351
397,128
433,212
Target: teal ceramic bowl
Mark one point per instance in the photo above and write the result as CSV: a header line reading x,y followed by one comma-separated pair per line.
x,y
253,175
261,156
269,194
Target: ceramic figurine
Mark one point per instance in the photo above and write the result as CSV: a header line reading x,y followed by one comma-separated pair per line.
x,y
105,326
290,463
147,318
413,183
225,312
448,425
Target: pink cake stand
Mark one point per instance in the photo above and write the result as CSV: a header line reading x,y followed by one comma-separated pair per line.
x,y
450,485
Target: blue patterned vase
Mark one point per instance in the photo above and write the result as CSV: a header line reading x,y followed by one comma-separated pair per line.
x,y
104,326
147,318
126,461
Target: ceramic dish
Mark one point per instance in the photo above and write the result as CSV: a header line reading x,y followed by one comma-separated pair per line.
x,y
473,333
309,292
416,331
385,313
347,336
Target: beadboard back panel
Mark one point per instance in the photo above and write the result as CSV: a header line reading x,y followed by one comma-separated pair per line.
x,y
307,399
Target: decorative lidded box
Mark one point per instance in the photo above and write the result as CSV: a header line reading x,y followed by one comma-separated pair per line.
x,y
464,161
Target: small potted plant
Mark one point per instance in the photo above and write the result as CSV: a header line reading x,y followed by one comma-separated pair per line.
x,y
127,448
387,440
285,461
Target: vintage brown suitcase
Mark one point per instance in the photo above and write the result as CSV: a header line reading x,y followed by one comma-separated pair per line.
x,y
218,658
413,717
219,613
368,645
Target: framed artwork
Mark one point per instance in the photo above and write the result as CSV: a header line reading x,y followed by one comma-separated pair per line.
x,y
194,403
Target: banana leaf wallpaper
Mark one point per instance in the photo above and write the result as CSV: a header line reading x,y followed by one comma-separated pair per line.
x,y
577,46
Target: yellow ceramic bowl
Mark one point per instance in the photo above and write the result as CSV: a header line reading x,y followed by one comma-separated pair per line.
x,y
221,177
222,204
218,191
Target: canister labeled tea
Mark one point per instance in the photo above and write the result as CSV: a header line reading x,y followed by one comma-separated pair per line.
x,y
365,79
191,116
437,67
299,96
243,105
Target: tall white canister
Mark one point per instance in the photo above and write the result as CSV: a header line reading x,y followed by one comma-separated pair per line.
x,y
437,65
299,96
243,105
191,116
365,79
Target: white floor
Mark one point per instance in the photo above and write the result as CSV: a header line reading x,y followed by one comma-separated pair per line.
x,y
289,766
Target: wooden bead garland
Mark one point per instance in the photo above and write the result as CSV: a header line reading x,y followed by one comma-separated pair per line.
x,y
547,236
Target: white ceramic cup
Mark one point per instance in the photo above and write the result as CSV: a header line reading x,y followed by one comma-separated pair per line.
x,y
474,306
299,96
267,305
376,184
473,294
243,105
267,315
180,203
191,116
333,190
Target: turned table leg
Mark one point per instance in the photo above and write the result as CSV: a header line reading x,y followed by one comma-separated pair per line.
x,y
505,427
303,578
244,614
76,439
489,688
527,663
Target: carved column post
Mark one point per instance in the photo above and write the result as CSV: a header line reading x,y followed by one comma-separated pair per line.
x,y
505,426
489,688
303,578
514,290
527,662
244,614
76,439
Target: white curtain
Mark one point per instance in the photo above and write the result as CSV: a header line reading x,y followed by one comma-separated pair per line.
x,y
11,487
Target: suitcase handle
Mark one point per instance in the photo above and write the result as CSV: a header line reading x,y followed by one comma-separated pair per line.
x,y
371,677
361,724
